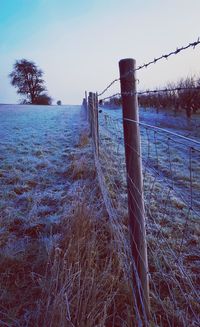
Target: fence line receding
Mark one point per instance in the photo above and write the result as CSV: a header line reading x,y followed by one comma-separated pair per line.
x,y
156,204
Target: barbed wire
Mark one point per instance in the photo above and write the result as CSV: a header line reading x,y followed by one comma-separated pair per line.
x,y
166,90
166,56
154,61
104,91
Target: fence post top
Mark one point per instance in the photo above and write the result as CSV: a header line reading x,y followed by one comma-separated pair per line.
x,y
127,60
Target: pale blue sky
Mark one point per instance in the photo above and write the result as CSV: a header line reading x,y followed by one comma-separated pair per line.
x,y
78,43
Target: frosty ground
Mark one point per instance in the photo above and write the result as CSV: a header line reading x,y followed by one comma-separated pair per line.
x,y
35,146
59,253
59,265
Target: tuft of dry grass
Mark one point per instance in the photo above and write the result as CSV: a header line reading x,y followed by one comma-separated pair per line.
x,y
87,284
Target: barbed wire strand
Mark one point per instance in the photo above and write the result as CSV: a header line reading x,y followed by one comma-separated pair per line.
x,y
154,61
166,56
155,91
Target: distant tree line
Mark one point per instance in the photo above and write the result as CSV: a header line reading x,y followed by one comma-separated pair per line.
x,y
187,99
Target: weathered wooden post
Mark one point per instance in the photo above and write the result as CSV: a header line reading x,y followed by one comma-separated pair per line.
x,y
86,97
93,117
96,124
86,104
94,129
97,109
134,180
90,102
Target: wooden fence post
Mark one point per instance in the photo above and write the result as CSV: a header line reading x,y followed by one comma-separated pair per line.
x,y
90,101
134,179
93,117
86,104
86,98
96,124
97,110
93,120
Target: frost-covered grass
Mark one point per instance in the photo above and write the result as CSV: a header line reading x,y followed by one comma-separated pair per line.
x,y
60,254
35,144
59,263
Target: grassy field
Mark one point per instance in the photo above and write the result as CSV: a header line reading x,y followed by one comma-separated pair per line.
x,y
61,253
59,260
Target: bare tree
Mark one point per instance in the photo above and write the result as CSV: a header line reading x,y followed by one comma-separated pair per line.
x,y
27,78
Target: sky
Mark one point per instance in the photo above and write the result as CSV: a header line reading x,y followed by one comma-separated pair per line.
x,y
78,43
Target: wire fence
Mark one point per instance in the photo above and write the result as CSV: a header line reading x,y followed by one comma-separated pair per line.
x,y
171,196
170,192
